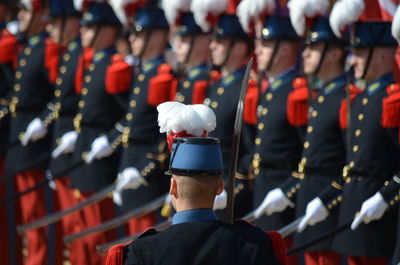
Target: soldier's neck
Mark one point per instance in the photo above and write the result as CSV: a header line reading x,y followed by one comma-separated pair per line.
x,y
184,206
329,73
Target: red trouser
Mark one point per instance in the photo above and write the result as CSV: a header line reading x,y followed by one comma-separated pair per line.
x,y
11,243
353,260
322,257
141,224
293,259
33,207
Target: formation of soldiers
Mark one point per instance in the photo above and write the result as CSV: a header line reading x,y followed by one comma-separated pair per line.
x,y
81,82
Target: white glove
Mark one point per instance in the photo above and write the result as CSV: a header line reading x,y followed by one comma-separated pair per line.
x,y
372,209
35,131
100,148
221,200
130,178
67,144
275,201
117,199
315,213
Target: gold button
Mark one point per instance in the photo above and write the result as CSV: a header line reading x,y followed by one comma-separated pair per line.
x,y
81,103
22,62
321,99
261,126
141,77
17,87
310,129
264,111
258,141
18,74
314,113
77,194
365,101
269,96
92,67
357,133
129,116
304,160
67,57
136,90
132,104
257,156
180,98
186,84
360,117
306,144
256,171
84,91
88,79
355,148
58,81
27,51
214,104
57,93
220,90
351,164
63,69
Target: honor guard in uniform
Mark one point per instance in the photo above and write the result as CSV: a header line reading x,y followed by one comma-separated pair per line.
x,y
231,48
199,237
324,153
32,90
278,141
99,108
191,48
373,155
143,147
11,245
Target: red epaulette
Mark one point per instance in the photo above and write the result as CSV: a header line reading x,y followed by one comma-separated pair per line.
x,y
279,246
391,107
199,91
8,48
161,85
51,59
115,255
83,63
297,103
354,91
214,76
118,75
251,103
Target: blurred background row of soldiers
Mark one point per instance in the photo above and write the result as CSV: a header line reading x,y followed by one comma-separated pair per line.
x,y
81,82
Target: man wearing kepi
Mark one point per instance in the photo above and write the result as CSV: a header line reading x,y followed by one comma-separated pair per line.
x,y
196,167
373,155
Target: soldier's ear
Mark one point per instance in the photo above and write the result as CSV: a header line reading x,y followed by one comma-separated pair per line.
x,y
173,188
221,186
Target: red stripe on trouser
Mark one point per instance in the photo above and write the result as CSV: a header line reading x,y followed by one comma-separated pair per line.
x,y
73,223
322,257
293,259
33,207
355,260
141,224
94,215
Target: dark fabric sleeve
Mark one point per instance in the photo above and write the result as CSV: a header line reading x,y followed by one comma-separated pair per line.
x,y
115,135
131,257
390,191
246,148
331,196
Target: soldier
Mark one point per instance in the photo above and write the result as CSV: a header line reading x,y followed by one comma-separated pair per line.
x,y
32,90
373,156
98,111
141,166
191,50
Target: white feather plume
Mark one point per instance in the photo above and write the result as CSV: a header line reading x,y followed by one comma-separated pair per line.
x,y
345,12
247,12
173,7
194,119
119,8
201,8
78,4
27,4
268,6
396,25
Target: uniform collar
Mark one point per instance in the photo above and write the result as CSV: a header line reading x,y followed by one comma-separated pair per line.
x,y
334,84
195,71
380,83
282,79
239,73
99,55
146,67
193,216
35,39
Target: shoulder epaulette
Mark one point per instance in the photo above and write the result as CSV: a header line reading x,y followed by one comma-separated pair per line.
x,y
8,48
243,222
199,91
83,63
51,59
279,246
354,91
297,103
148,232
391,107
251,103
161,86
118,75
115,255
